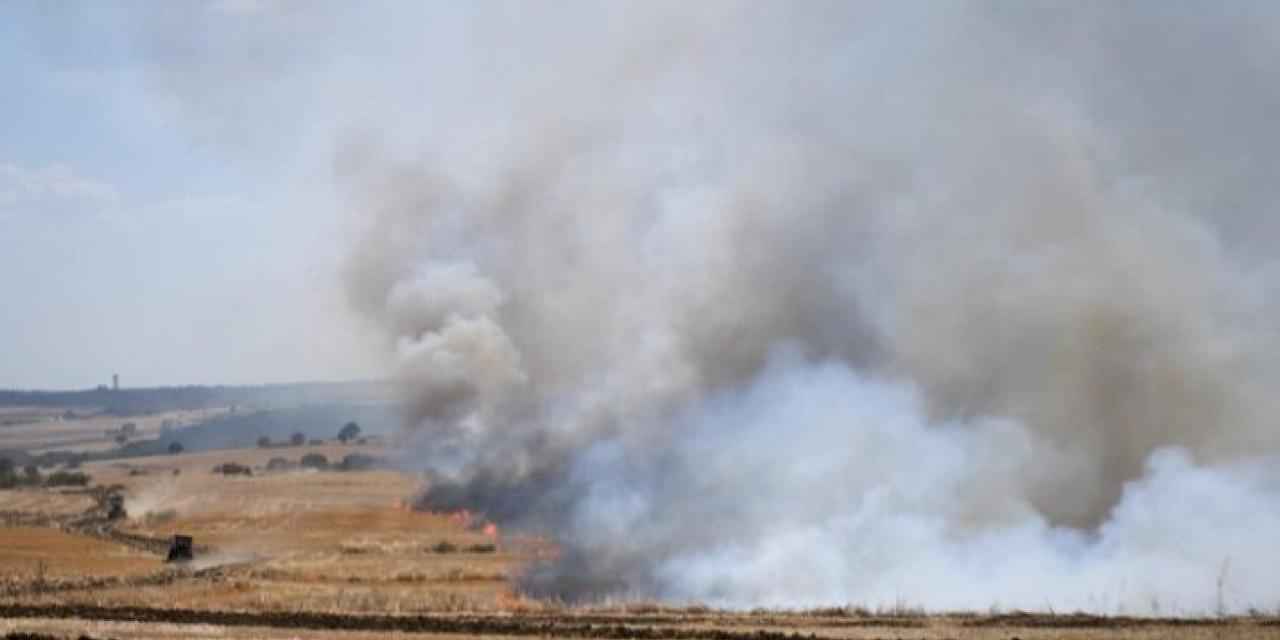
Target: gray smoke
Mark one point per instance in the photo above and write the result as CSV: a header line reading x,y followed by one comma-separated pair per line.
x,y
955,304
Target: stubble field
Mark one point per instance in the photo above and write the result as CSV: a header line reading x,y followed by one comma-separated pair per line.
x,y
337,554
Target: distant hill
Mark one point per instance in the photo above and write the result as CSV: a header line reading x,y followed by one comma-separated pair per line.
x,y
238,431
125,402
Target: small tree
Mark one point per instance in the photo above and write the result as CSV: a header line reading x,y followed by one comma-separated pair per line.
x,y
175,448
298,439
31,473
264,442
350,431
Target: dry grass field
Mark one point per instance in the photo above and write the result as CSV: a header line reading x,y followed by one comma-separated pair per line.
x,y
28,553
335,554
37,430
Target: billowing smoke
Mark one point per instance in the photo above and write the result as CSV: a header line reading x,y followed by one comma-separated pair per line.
x,y
804,303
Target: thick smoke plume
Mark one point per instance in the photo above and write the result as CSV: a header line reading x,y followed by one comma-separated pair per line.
x,y
957,305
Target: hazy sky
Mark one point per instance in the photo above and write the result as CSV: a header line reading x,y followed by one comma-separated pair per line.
x,y
176,177
165,210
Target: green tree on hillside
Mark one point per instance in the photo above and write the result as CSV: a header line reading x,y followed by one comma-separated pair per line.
x,y
349,432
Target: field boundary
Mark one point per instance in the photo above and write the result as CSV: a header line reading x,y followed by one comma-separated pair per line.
x,y
567,625
466,625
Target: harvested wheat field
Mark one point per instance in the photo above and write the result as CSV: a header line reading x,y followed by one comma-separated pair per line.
x,y
28,553
332,554
39,430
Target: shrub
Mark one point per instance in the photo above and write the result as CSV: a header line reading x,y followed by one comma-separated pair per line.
x,y
175,448
485,547
298,439
314,461
357,462
264,442
444,546
233,469
66,479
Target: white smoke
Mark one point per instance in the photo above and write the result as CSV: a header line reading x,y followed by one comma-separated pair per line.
x,y
814,485
802,306
757,303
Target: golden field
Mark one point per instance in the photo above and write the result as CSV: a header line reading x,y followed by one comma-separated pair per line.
x,y
37,430
329,554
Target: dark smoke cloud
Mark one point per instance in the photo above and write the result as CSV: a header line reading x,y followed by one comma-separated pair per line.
x,y
957,304
794,304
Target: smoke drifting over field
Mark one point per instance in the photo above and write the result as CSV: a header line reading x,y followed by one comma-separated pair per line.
x,y
794,304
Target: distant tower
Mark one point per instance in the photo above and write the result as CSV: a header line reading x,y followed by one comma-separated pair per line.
x,y
115,382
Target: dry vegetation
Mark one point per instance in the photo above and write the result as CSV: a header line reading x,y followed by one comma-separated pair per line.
x,y
37,430
296,553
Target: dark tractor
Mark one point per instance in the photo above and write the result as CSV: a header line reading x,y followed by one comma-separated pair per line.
x,y
182,549
115,507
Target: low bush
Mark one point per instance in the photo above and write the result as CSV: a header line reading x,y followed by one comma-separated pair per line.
x,y
358,462
66,479
233,469
444,546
